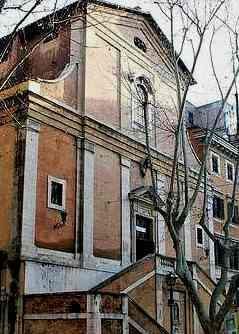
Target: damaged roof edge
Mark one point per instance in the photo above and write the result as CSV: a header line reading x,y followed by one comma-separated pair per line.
x,y
65,10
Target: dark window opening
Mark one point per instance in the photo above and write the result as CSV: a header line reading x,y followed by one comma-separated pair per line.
x,y
144,237
215,164
218,253
176,314
140,44
230,172
56,193
190,117
219,256
237,298
235,217
199,236
218,207
75,307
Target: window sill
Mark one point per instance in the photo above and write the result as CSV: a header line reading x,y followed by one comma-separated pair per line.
x,y
234,225
215,174
56,207
219,220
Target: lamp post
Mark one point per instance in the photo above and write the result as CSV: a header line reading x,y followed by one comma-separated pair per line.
x,y
171,280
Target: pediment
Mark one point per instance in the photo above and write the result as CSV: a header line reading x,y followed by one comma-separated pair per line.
x,y
144,192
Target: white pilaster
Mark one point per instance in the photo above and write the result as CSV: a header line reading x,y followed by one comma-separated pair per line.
x,y
77,222
125,315
88,221
30,185
196,324
188,238
93,314
160,223
212,267
125,207
159,298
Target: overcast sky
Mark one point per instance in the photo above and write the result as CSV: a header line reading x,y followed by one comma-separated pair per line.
x,y
204,92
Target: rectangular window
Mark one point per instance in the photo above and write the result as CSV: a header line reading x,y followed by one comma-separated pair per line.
x,y
235,218
137,97
56,193
199,236
144,237
234,257
218,207
215,164
218,253
229,171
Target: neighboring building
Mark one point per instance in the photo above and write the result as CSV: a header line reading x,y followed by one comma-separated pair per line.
x,y
82,249
221,166
204,117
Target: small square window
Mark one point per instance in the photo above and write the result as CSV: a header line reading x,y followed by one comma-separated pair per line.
x,y
199,236
229,171
56,193
215,164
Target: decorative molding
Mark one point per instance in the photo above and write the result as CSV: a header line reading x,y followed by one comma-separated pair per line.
x,y
139,282
55,316
125,162
88,146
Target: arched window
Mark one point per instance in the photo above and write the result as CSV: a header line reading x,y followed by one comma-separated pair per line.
x,y
141,93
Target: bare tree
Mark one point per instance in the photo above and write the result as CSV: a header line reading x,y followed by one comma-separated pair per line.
x,y
201,20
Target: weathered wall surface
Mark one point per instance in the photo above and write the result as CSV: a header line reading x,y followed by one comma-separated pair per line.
x,y
102,80
145,296
55,326
107,217
57,158
8,137
51,56
47,61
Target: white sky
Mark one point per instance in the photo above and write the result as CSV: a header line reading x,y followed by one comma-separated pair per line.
x,y
204,92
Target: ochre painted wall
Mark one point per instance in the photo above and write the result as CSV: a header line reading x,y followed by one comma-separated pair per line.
x,y
57,158
7,174
107,219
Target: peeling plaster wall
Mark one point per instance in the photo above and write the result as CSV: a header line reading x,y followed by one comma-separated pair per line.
x,y
102,80
48,278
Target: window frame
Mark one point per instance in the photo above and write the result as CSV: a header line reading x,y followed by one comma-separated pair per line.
x,y
136,106
228,163
235,219
49,192
222,216
215,155
200,245
234,257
